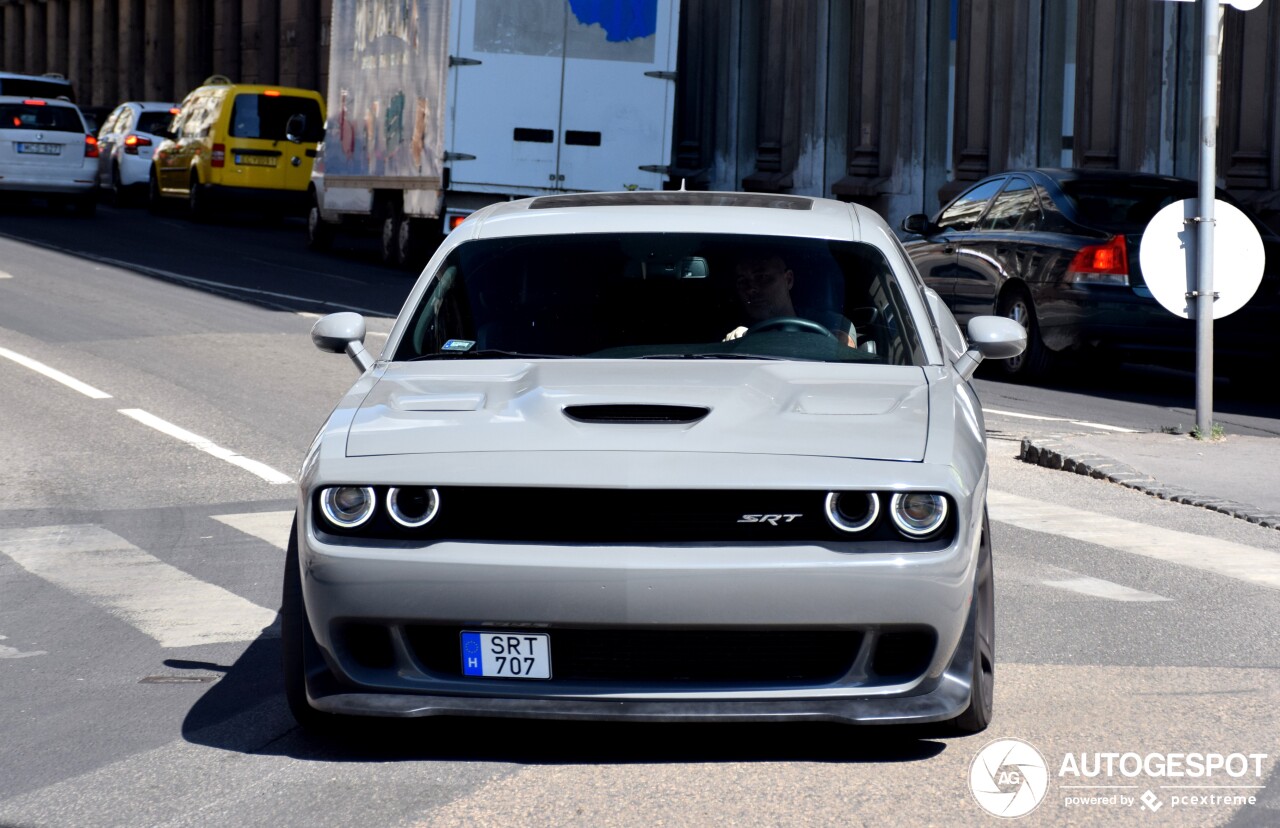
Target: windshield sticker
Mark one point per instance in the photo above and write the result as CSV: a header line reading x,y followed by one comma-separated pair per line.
x,y
458,345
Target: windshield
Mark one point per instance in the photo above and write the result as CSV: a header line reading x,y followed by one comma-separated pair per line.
x,y
664,295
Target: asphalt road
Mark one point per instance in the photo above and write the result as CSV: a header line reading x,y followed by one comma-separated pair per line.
x,y
1124,623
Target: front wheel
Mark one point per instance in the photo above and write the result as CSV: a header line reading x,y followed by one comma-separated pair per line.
x,y
388,250
977,716
319,232
155,201
299,651
197,200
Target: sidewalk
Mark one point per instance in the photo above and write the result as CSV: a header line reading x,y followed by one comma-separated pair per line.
x,y
1239,476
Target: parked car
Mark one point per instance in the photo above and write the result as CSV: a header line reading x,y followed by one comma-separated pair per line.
x,y
659,456
46,151
50,85
126,142
1057,250
249,144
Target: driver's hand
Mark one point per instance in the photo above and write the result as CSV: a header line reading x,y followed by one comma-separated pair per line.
x,y
736,333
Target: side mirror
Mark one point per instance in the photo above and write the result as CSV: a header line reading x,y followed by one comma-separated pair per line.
x,y
295,128
918,223
991,337
343,333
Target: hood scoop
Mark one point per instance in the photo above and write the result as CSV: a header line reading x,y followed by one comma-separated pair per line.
x,y
636,414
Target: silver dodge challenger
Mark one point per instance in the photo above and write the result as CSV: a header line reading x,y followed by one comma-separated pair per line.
x,y
661,456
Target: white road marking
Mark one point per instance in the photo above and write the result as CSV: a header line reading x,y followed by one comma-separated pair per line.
x,y
4,275
162,601
1098,588
1087,423
1231,560
272,527
207,446
13,652
55,375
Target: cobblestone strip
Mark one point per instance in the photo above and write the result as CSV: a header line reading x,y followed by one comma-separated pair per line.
x,y
1054,451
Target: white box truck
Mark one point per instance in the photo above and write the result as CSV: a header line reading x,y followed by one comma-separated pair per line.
x,y
439,107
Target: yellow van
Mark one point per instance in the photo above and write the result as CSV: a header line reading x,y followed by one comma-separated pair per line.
x,y
240,142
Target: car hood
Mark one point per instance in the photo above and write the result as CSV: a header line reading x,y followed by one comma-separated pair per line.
x,y
794,408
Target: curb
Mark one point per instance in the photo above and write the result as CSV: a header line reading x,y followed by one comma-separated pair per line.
x,y
1055,451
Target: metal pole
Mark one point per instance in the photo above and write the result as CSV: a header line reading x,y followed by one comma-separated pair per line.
x,y
1204,226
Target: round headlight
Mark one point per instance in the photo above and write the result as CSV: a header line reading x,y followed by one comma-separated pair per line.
x,y
347,506
918,514
852,511
412,506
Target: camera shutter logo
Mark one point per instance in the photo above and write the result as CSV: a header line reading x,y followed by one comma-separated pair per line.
x,y
1009,778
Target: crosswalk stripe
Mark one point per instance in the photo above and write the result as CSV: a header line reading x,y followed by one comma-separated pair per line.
x,y
1098,588
272,527
1232,560
171,606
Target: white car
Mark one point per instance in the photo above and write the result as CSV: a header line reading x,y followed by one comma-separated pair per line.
x,y
128,137
659,456
46,150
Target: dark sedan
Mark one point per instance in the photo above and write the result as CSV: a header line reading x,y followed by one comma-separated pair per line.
x,y
1057,250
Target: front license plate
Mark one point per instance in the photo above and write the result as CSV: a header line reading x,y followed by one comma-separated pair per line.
x,y
40,149
256,160
506,655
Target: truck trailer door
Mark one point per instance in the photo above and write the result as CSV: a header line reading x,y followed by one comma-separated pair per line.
x,y
619,93
552,95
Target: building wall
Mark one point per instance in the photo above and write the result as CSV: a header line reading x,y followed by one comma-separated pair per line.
x,y
897,104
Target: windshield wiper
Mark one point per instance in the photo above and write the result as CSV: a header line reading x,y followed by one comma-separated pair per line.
x,y
486,353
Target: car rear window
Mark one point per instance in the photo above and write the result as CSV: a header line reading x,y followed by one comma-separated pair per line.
x,y
46,117
1123,205
267,116
153,122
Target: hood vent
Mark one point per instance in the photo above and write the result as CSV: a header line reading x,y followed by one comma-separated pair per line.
x,y
632,414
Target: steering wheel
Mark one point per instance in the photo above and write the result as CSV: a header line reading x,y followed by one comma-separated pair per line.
x,y
790,323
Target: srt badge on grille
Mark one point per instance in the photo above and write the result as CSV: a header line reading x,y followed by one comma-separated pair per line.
x,y
772,520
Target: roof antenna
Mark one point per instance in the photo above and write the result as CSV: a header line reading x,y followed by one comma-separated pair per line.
x,y
682,185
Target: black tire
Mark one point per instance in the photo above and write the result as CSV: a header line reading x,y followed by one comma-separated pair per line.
x,y
197,200
155,201
388,247
1034,362
320,233
119,193
977,716
300,653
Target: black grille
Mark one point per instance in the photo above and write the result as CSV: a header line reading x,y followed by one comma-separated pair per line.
x,y
729,656
632,414
605,516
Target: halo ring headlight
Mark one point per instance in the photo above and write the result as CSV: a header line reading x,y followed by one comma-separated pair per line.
x,y
841,521
411,518
348,506
918,514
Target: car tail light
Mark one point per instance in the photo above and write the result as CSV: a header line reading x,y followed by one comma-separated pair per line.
x,y
90,147
1104,264
218,157
132,142
34,102
271,93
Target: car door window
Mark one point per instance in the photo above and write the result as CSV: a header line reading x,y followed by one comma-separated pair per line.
x,y
964,212
1016,207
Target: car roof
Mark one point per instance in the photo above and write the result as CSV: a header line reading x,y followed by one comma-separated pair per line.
x,y
259,88
1060,174
762,214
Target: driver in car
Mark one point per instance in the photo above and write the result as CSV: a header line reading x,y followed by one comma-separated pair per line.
x,y
764,291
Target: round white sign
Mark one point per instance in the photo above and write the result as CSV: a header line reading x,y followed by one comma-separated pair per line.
x,y
1009,778
1168,258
